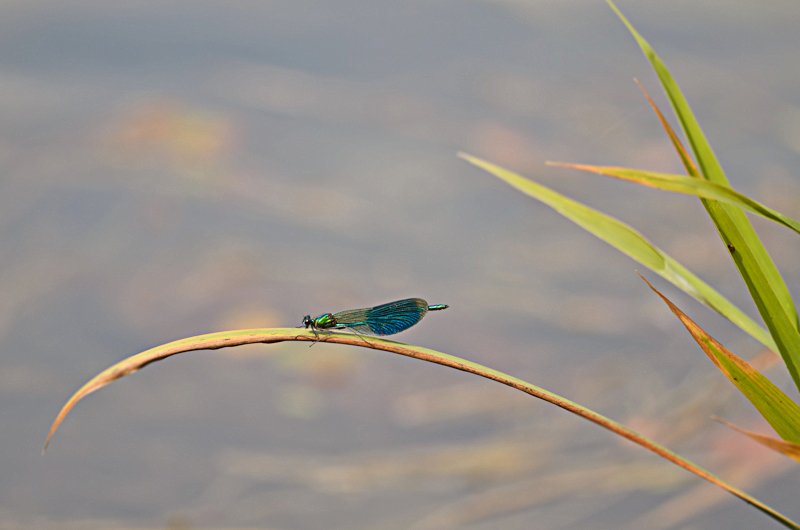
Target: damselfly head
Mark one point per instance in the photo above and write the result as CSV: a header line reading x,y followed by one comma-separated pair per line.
x,y
307,321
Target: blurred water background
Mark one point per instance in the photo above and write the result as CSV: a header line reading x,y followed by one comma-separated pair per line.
x,y
169,169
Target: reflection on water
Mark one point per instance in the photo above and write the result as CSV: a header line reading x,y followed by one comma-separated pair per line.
x,y
176,169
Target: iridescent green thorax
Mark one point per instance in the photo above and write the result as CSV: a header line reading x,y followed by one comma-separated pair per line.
x,y
324,321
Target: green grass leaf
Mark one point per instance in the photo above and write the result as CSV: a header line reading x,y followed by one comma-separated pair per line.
x,y
778,322
227,339
630,242
766,286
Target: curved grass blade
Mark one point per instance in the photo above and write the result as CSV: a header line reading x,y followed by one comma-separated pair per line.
x,y
629,241
689,186
227,339
790,449
762,278
777,408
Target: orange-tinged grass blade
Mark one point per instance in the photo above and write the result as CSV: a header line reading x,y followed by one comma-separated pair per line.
x,y
777,408
790,449
687,161
227,339
689,186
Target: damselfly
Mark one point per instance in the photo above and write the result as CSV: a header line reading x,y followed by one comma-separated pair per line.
x,y
384,319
